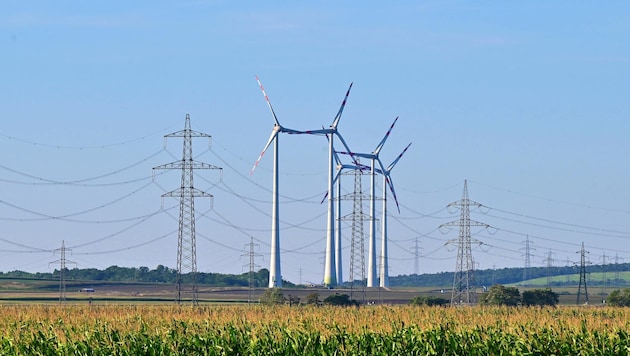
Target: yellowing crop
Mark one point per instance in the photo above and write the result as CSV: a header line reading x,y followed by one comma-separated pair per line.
x,y
258,330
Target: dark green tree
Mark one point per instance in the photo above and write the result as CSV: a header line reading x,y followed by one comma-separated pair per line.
x,y
340,299
313,298
620,298
429,300
540,297
272,296
499,294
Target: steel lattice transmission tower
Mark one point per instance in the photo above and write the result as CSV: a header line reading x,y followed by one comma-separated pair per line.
x,y
251,265
527,255
357,244
549,260
582,290
464,282
617,259
62,261
604,258
186,241
416,258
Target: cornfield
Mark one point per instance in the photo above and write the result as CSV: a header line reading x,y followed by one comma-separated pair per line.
x,y
284,330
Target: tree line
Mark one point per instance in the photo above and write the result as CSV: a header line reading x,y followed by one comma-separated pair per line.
x,y
490,277
161,274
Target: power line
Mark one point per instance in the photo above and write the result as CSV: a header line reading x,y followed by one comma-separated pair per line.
x,y
66,216
47,181
107,237
31,248
128,247
57,146
567,229
554,200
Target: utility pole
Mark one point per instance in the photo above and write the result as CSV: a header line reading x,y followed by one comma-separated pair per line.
x,y
549,261
251,265
582,290
186,240
416,257
617,259
603,258
62,261
464,282
527,255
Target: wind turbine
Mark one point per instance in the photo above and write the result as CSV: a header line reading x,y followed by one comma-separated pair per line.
x,y
330,268
387,180
275,275
374,158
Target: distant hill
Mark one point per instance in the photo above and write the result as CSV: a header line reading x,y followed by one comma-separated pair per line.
x,y
536,276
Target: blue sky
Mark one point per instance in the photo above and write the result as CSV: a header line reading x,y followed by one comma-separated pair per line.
x,y
526,100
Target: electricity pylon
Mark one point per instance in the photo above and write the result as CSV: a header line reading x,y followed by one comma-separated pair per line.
x,y
582,290
186,241
604,258
416,257
251,266
549,261
617,259
527,255
62,261
464,281
357,244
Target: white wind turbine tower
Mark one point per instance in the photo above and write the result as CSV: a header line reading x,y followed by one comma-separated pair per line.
x,y
275,275
331,270
387,180
374,158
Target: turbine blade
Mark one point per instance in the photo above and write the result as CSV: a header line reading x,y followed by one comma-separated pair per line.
x,y
274,133
391,166
337,159
333,182
275,118
324,199
343,105
390,183
380,144
345,145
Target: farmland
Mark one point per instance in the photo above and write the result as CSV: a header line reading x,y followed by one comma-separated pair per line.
x,y
137,318
256,329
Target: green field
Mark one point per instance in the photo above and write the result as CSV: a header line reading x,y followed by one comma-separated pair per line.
x,y
594,277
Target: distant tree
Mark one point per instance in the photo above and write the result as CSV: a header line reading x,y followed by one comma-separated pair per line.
x,y
620,298
429,300
293,300
540,297
313,298
340,299
272,296
499,294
